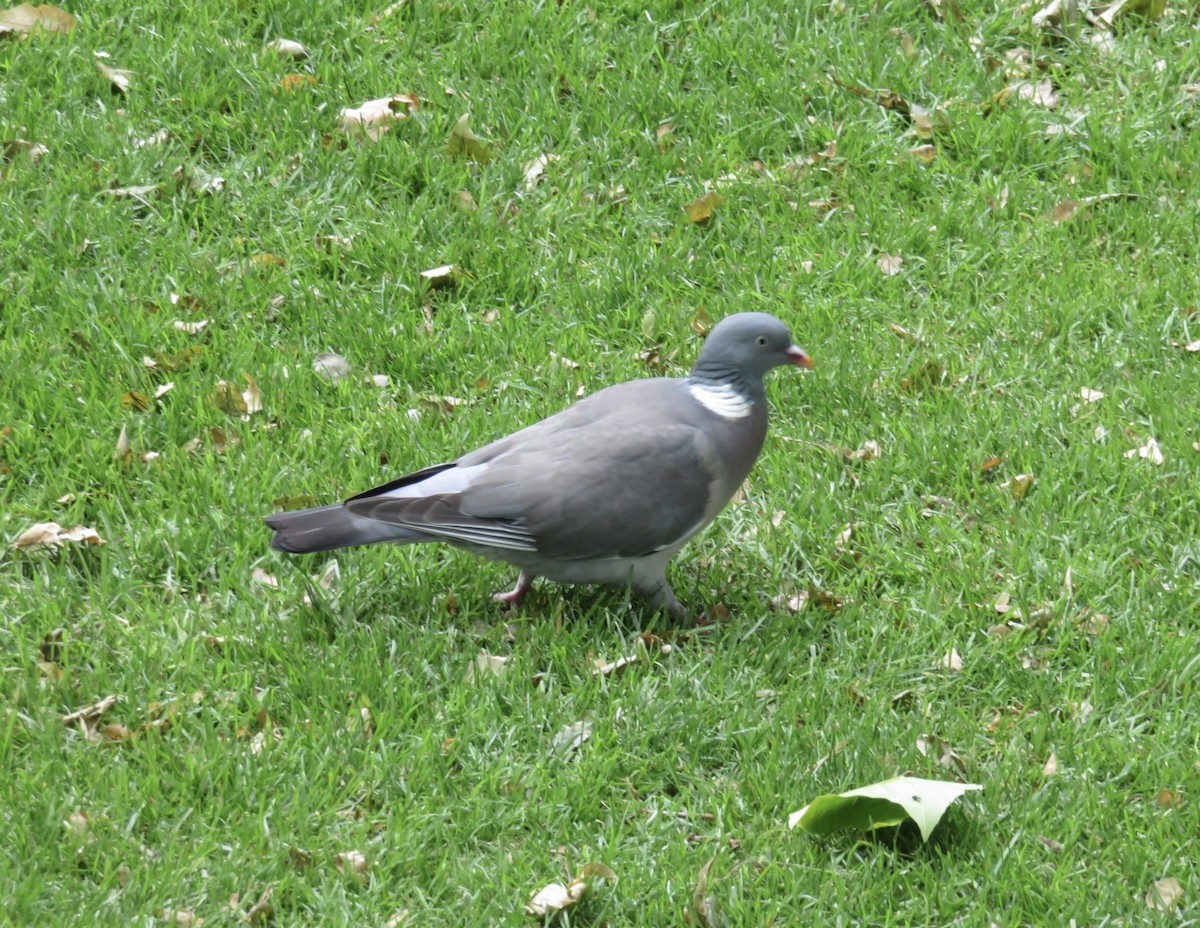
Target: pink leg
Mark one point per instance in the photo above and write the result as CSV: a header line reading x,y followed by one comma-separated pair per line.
x,y
517,593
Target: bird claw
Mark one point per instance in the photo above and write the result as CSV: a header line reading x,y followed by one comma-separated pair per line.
x,y
517,593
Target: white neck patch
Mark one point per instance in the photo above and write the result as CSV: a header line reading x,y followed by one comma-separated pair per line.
x,y
724,400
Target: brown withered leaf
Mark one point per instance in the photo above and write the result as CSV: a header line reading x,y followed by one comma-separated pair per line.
x,y
487,665
442,277
465,143
290,83
804,162
243,403
1164,894
26,20
51,533
1069,208
1150,451
331,366
926,153
118,78
923,120
535,170
372,119
266,261
140,193
88,717
1150,9
262,909
182,918
1058,15
190,328
288,48
464,202
701,211
923,377
135,400
11,148
889,265
552,899
352,863
703,905
941,752
1019,486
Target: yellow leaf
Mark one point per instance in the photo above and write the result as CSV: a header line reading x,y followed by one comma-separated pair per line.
x,y
292,82
701,211
464,142
373,118
118,78
25,20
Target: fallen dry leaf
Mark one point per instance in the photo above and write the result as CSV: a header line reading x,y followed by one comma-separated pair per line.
x,y
51,533
570,738
118,78
940,751
191,328
464,202
373,118
287,48
1019,486
123,453
330,366
139,193
901,332
1040,93
1150,9
26,20
352,863
242,403
466,143
889,264
89,716
1193,347
1058,15
701,211
290,83
262,909
1090,396
952,660
552,899
703,905
438,278
1050,768
1069,208
534,170
925,153
180,917
14,147
258,575
486,664
1150,451
1164,895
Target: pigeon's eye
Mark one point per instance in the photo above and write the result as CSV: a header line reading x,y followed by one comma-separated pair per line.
x,y
761,341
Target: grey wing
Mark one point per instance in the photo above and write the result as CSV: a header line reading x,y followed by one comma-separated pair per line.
x,y
597,492
608,490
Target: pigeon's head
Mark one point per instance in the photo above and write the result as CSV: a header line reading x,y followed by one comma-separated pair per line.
x,y
750,344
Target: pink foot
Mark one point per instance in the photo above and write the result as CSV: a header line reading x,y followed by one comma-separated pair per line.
x,y
517,593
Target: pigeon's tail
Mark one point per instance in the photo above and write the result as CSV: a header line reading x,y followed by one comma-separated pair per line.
x,y
303,531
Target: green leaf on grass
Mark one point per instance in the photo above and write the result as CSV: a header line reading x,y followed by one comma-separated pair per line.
x,y
881,805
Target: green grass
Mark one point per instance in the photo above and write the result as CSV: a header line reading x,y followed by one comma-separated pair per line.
x,y
455,795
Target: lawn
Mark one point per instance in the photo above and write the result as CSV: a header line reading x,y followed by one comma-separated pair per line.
x,y
970,550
